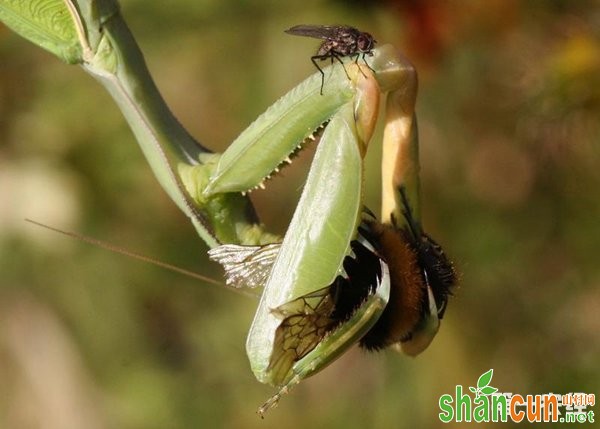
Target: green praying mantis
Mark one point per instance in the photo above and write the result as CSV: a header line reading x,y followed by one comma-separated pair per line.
x,y
339,276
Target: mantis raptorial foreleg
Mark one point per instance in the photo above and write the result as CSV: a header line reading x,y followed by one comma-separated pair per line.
x,y
299,328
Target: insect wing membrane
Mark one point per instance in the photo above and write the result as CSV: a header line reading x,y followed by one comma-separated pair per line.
x,y
304,323
315,31
245,266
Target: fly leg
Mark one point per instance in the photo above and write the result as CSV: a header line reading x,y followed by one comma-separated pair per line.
x,y
314,60
337,57
365,60
359,68
331,55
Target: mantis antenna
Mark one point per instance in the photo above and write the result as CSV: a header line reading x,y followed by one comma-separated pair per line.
x,y
140,257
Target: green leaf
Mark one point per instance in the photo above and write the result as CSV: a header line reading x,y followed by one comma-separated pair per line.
x,y
485,378
472,389
488,390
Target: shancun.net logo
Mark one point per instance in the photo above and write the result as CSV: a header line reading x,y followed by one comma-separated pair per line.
x,y
487,404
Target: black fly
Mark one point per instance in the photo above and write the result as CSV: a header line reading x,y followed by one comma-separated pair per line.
x,y
339,41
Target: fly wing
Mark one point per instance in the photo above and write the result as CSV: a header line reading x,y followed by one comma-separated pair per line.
x,y
245,266
317,31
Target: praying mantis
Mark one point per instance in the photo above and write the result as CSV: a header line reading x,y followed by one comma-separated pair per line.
x,y
339,276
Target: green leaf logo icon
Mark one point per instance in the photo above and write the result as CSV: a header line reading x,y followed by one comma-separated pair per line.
x,y
485,379
483,387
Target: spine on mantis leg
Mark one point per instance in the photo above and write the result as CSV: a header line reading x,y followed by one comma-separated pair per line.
x,y
274,136
270,140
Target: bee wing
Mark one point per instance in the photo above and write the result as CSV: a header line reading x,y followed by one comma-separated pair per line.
x,y
304,323
316,31
245,266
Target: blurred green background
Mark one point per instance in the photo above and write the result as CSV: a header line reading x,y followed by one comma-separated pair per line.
x,y
509,115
